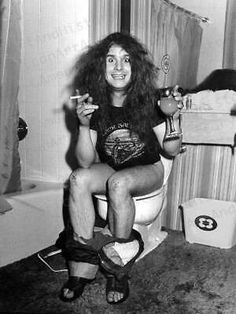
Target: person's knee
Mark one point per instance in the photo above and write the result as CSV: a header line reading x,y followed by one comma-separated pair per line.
x,y
118,185
79,179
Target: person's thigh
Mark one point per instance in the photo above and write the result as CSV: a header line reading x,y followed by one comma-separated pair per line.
x,y
94,178
141,180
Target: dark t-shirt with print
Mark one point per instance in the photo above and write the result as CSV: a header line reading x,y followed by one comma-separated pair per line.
x,y
120,148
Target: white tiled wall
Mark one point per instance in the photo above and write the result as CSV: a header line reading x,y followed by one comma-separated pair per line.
x,y
54,33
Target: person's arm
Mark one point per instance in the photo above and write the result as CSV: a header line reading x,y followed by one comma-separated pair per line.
x,y
85,151
86,145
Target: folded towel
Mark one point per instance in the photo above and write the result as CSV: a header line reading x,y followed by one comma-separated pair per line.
x,y
5,206
220,100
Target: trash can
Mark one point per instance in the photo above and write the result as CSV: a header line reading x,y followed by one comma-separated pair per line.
x,y
210,222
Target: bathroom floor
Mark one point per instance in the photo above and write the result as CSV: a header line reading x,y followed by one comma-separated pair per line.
x,y
176,278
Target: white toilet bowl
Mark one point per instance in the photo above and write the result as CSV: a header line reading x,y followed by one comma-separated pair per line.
x,y
148,212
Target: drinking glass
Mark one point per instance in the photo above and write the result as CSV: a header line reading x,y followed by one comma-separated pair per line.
x,y
169,106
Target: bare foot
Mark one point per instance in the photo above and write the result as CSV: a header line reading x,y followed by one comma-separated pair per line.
x,y
117,291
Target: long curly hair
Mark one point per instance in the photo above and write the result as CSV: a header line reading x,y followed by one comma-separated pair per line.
x,y
141,94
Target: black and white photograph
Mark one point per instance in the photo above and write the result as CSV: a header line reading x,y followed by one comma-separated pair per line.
x,y
117,156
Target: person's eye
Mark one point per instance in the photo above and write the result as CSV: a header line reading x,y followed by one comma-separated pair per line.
x,y
110,59
127,59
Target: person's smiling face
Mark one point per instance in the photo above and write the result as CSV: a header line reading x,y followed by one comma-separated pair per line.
x,y
118,68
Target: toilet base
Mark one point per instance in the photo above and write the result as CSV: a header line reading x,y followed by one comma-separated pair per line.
x,y
152,236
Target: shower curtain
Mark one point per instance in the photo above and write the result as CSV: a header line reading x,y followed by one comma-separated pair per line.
x,y
9,116
229,59
172,35
104,18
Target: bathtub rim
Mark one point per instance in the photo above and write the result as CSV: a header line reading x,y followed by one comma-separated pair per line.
x,y
30,186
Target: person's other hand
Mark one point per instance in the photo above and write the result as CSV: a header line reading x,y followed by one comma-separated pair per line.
x,y
179,98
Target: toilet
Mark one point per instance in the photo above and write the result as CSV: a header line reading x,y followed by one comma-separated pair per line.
x,y
149,208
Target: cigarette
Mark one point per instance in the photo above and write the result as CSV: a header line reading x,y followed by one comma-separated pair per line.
x,y
75,97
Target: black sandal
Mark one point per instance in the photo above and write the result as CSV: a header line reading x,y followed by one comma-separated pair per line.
x,y
117,285
76,285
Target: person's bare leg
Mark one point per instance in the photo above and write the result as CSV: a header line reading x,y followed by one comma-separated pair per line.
x,y
84,182
125,184
122,186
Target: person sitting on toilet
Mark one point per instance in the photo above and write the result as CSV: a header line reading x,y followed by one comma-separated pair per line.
x,y
121,133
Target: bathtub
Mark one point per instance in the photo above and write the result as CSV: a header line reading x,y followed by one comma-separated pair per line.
x,y
34,222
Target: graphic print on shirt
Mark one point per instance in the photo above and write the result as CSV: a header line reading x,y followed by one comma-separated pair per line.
x,y
122,146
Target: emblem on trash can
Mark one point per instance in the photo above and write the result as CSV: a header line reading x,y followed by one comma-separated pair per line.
x,y
205,223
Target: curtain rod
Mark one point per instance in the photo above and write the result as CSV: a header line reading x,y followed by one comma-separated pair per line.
x,y
197,16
